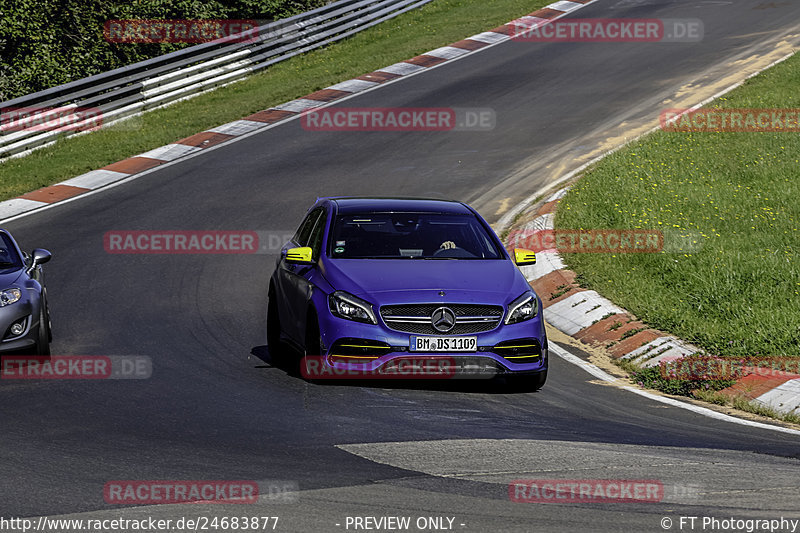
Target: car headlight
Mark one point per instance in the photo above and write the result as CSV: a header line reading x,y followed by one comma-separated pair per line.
x,y
9,296
345,305
523,308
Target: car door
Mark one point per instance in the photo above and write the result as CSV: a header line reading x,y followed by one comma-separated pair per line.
x,y
307,274
292,280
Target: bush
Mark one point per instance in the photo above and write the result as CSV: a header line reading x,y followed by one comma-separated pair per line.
x,y
45,43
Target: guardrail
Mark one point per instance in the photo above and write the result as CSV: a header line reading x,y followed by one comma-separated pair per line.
x,y
127,91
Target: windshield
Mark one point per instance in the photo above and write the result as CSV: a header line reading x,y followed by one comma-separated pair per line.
x,y
410,236
8,254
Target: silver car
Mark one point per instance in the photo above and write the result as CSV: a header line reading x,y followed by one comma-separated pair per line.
x,y
24,315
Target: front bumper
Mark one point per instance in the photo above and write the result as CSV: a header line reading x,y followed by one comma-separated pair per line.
x,y
10,314
354,348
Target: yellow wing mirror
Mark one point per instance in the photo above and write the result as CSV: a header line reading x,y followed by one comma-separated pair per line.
x,y
524,257
300,255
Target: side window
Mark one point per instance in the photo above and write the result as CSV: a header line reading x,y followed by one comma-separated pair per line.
x,y
304,231
8,255
315,241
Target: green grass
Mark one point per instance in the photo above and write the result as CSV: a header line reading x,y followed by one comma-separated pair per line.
x,y
704,390
657,378
744,404
729,206
436,24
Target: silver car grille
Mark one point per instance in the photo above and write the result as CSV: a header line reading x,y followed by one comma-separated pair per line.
x,y
416,318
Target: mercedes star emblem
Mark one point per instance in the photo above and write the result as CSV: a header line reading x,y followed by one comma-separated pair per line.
x,y
443,319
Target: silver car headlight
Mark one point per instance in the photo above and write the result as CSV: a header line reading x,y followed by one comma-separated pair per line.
x,y
9,296
523,308
345,305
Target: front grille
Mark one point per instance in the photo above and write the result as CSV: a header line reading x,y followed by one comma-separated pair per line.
x,y
416,318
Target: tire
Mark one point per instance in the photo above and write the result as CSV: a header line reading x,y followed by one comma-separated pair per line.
x,y
540,380
528,382
277,350
313,342
42,346
311,345
47,316
49,322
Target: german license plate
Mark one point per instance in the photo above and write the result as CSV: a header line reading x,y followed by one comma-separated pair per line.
x,y
443,344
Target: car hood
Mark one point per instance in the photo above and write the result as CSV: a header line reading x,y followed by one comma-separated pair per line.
x,y
386,281
9,277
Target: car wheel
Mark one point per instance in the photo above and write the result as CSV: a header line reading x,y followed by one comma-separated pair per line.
x,y
276,348
313,342
42,346
528,382
49,322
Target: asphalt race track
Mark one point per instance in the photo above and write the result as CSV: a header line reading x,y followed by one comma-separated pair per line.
x,y
215,408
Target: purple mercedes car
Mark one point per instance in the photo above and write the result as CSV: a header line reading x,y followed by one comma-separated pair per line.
x,y
406,288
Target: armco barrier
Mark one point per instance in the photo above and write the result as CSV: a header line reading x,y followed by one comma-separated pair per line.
x,y
127,91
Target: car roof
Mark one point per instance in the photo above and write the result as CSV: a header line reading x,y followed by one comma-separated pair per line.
x,y
353,204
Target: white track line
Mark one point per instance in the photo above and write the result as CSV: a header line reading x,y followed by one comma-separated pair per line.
x,y
491,44
601,374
